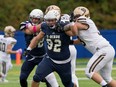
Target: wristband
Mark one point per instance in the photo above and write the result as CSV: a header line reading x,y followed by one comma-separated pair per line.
x,y
34,29
29,48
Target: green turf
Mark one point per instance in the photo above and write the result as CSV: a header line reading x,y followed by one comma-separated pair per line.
x,y
13,76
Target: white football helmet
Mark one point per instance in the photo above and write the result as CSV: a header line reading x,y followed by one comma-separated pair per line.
x,y
36,13
65,18
9,31
81,11
52,14
52,7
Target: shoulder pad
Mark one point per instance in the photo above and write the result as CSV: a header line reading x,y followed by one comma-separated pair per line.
x,y
11,40
82,19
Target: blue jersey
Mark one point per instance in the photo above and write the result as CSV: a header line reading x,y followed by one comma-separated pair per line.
x,y
40,48
57,42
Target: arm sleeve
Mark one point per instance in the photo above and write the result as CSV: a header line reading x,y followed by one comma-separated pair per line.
x,y
43,27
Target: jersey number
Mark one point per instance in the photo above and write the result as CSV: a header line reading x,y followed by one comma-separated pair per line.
x,y
2,47
54,45
40,44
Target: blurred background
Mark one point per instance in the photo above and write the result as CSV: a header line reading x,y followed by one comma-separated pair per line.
x,y
103,13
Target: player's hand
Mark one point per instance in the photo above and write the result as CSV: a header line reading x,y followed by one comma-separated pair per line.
x,y
24,25
26,52
19,51
65,19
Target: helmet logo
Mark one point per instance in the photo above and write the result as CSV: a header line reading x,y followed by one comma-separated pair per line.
x,y
84,10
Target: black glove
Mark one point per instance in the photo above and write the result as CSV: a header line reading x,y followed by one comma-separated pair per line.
x,y
26,53
71,17
23,25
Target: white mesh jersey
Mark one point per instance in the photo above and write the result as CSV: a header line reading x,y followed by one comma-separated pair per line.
x,y
4,42
91,37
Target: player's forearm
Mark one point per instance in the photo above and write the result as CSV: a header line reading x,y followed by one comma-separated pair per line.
x,y
74,42
74,30
27,31
34,28
11,51
77,41
28,28
31,30
69,33
33,43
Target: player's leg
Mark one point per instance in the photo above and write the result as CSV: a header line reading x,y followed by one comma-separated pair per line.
x,y
46,82
43,69
52,80
26,69
73,56
34,84
64,71
106,74
10,64
5,66
93,68
4,71
95,64
0,69
112,83
107,70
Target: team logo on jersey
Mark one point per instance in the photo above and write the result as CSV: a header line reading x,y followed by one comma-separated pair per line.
x,y
53,36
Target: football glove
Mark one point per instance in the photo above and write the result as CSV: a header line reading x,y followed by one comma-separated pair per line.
x,y
26,52
23,25
19,51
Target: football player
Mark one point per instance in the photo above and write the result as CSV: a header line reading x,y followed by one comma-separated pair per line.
x,y
58,55
66,18
7,42
99,67
31,29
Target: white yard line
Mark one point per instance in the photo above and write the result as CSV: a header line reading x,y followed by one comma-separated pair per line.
x,y
82,69
77,69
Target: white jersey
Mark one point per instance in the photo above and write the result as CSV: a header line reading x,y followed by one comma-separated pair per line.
x,y
4,42
91,37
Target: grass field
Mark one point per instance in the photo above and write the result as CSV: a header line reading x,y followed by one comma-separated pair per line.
x,y
13,76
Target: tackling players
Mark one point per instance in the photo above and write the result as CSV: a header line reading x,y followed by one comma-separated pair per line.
x,y
66,18
58,54
100,64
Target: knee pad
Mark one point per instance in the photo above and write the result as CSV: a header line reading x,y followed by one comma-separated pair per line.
x,y
23,77
23,80
36,78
